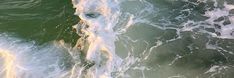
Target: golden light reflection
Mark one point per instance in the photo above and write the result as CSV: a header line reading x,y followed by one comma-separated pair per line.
x,y
7,65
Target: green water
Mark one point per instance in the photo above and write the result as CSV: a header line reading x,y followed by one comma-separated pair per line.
x,y
44,21
38,20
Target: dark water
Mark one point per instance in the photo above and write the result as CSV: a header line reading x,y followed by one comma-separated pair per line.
x,y
38,20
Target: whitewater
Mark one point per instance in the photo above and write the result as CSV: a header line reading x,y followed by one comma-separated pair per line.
x,y
131,39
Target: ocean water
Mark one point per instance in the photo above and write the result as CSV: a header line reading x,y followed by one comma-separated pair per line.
x,y
116,38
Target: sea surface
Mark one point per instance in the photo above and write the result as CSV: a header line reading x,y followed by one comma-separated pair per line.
x,y
116,38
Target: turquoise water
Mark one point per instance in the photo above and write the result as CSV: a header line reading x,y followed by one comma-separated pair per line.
x,y
164,39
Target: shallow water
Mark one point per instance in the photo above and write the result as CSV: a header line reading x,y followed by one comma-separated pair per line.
x,y
116,38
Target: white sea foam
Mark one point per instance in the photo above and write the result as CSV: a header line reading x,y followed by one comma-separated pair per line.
x,y
101,16
219,19
106,20
26,60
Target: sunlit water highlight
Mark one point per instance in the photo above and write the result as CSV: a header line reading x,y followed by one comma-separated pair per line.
x,y
8,66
